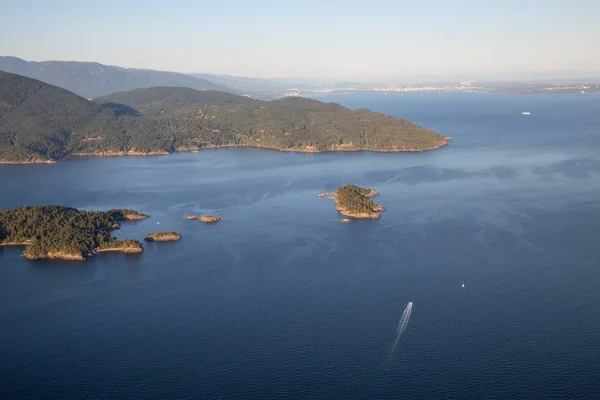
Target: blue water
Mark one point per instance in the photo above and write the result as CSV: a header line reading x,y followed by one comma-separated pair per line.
x,y
279,300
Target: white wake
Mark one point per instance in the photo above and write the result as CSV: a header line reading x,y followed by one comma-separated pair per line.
x,y
402,324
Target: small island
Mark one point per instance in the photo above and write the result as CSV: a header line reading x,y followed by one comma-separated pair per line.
x,y
127,215
204,218
162,236
209,219
65,233
355,201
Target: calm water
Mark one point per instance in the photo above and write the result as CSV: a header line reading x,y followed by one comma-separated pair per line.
x,y
279,300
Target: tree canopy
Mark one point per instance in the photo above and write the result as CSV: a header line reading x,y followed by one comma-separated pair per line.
x,y
355,199
58,229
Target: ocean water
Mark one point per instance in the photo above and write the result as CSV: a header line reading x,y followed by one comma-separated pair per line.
x,y
279,300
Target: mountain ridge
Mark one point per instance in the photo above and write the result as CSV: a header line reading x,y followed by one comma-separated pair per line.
x,y
92,79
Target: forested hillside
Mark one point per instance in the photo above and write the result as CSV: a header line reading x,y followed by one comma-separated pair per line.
x,y
41,122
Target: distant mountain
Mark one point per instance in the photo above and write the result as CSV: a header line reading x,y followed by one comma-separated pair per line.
x,y
43,123
243,82
90,79
258,87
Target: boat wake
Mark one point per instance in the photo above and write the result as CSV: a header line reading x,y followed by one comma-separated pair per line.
x,y
402,324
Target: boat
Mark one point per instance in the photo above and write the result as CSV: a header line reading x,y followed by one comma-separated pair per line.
x,y
463,285
526,113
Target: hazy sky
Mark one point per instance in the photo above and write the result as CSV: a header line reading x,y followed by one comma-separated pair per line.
x,y
324,38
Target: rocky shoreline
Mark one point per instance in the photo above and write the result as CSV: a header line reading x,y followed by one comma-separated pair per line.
x,y
36,161
54,255
110,153
25,243
121,249
208,219
307,149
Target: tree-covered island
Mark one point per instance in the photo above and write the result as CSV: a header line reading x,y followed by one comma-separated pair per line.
x,y
65,232
162,236
355,201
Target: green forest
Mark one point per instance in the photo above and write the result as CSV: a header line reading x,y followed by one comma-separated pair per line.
x,y
354,199
57,229
41,122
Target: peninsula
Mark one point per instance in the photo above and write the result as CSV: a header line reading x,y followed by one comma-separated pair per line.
x,y
64,232
355,201
127,215
41,123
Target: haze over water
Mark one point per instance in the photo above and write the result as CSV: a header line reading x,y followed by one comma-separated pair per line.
x,y
279,300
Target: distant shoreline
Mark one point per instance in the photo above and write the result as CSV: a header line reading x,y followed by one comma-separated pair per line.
x,y
27,162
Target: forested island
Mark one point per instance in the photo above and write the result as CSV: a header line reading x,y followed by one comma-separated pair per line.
x,y
162,236
41,123
64,232
355,201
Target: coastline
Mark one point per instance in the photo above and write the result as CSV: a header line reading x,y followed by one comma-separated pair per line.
x,y
25,243
55,256
4,162
59,255
129,250
446,140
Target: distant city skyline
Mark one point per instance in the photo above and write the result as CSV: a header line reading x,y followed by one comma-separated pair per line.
x,y
339,40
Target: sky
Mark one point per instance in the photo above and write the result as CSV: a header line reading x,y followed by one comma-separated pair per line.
x,y
349,39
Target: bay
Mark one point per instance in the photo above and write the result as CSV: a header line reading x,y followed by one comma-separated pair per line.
x,y
279,300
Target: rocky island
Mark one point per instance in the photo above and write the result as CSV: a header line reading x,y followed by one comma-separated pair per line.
x,y
65,232
204,218
162,236
355,201
127,215
209,219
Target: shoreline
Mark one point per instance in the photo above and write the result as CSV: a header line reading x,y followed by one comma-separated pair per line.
x,y
54,256
59,255
445,142
128,250
34,162
16,244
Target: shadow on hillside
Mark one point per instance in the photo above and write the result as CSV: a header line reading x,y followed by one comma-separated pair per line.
x,y
121,109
